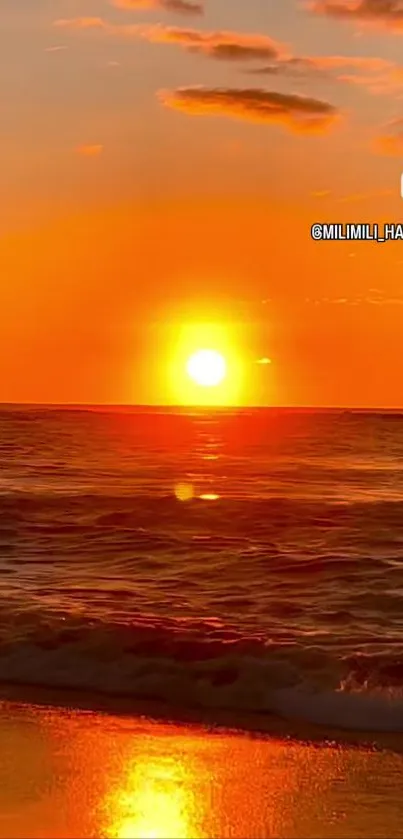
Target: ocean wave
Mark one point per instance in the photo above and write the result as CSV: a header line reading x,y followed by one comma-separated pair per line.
x,y
291,535
204,665
127,508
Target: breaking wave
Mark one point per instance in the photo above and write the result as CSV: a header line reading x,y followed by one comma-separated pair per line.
x,y
203,665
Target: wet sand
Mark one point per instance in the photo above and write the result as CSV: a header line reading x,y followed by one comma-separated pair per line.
x,y
69,773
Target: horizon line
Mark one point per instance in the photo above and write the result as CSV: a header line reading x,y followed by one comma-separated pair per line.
x,y
155,406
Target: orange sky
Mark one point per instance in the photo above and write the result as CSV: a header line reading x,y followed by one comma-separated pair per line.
x,y
163,162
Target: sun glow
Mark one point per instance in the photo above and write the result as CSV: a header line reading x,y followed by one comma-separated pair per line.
x,y
207,368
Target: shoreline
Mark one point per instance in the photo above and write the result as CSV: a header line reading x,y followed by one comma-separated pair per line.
x,y
264,726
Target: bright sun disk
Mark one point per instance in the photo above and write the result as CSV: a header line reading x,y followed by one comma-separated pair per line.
x,y
207,368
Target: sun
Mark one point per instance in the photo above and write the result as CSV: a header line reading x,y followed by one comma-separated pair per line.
x,y
207,368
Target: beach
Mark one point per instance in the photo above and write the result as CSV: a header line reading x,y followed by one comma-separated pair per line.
x,y
68,773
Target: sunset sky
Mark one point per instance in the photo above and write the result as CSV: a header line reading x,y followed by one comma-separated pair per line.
x,y
162,163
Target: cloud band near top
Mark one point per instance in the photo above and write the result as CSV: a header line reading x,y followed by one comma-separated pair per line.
x,y
385,13
183,7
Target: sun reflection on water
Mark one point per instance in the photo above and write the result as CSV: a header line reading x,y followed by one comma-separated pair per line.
x,y
186,492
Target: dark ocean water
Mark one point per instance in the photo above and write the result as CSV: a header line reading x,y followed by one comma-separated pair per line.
x,y
241,560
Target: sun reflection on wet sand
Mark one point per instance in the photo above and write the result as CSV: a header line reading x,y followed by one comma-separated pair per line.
x,y
67,773
155,801
184,783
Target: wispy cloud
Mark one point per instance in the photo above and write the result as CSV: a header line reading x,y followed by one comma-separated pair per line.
x,y
376,75
82,23
353,198
385,13
55,49
299,114
93,150
225,46
308,65
373,297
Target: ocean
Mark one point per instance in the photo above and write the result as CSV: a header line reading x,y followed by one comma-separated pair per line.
x,y
241,560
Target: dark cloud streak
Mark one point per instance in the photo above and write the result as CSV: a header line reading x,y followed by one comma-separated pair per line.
x,y
386,13
299,114
183,7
